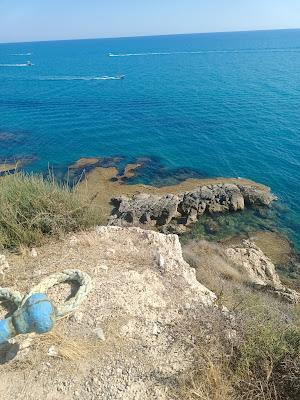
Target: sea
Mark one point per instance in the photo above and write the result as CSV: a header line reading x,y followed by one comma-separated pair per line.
x,y
207,105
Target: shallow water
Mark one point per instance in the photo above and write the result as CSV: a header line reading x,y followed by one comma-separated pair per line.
x,y
209,105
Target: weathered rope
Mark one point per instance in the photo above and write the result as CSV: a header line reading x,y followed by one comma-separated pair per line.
x,y
35,312
74,275
11,296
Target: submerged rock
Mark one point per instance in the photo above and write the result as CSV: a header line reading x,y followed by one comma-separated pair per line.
x,y
188,207
212,227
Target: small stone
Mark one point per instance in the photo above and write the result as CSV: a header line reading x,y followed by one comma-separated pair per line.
x,y
99,333
212,227
77,317
231,334
52,352
161,261
102,267
34,253
156,330
26,343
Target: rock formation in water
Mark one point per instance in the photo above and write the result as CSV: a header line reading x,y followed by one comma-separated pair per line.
x,y
186,208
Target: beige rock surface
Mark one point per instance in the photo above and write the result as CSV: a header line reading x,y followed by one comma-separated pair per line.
x,y
134,335
185,208
260,270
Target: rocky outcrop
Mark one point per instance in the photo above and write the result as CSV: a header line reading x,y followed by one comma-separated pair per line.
x,y
188,207
260,270
138,332
138,325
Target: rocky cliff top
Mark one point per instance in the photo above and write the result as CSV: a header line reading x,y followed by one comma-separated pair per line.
x,y
136,334
140,318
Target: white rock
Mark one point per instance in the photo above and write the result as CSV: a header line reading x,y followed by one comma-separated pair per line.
x,y
34,253
52,351
231,335
156,330
102,267
99,333
160,261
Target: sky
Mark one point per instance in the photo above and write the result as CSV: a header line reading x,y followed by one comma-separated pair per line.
x,y
36,20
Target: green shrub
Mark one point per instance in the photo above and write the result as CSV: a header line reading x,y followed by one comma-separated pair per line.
x,y
33,208
263,361
266,362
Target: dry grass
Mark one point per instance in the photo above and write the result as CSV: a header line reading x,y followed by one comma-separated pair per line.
x,y
33,208
213,268
263,362
66,346
210,383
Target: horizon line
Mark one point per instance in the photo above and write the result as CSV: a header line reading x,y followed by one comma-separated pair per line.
x,y
154,35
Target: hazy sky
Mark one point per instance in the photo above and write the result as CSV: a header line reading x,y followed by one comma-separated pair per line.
x,y
27,20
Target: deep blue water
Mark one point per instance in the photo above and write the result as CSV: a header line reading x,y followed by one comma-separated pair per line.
x,y
225,104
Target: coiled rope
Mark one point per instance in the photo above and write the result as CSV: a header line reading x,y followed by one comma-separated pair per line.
x,y
73,275
11,296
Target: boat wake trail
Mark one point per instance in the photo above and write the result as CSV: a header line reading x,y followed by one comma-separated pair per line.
x,y
294,50
150,54
82,78
15,65
22,54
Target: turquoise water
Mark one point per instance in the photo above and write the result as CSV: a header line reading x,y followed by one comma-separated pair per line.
x,y
225,104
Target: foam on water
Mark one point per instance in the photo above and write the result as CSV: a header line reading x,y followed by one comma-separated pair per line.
x,y
15,65
22,54
81,78
275,50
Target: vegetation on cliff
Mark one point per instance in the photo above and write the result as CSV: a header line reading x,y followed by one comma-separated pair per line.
x,y
246,348
261,360
33,208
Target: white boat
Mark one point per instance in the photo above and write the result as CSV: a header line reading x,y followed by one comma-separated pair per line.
x,y
29,64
